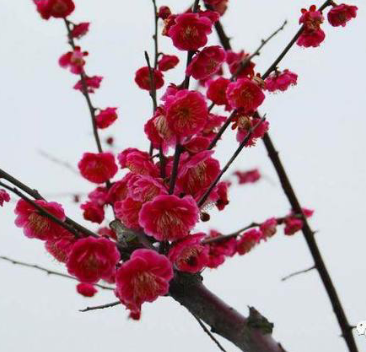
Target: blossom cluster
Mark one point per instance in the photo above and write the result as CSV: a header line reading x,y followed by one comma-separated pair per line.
x,y
163,197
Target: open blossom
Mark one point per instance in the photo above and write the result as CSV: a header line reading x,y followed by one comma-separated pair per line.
x,y
143,278
92,259
36,225
74,60
259,129
106,117
98,168
341,14
60,248
145,188
119,190
216,91
128,211
234,60
142,78
92,83
86,290
312,35
189,255
54,8
268,228
189,31
4,197
167,62
245,94
93,212
186,113
280,81
138,162
250,176
207,62
79,30
169,218
248,241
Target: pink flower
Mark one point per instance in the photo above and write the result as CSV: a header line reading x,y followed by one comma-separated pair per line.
x,y
98,168
248,241
206,63
142,78
250,176
143,278
186,113
93,212
293,225
92,83
138,162
92,259
220,6
245,94
54,8
164,12
36,225
312,35
128,211
60,248
167,62
145,188
258,130
99,196
79,30
106,117
218,251
341,14
234,61
189,31
217,91
169,218
268,228
197,145
280,81
189,255
74,60
107,232
119,190
86,290
222,192
4,197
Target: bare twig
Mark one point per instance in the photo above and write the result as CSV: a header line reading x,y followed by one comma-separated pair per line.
x,y
104,306
296,273
60,162
48,271
208,332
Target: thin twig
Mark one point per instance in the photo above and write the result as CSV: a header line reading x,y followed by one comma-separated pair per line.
x,y
232,159
296,273
60,162
208,332
222,130
104,306
178,152
152,82
48,271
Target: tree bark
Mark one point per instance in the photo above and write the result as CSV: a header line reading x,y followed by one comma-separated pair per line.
x,y
252,334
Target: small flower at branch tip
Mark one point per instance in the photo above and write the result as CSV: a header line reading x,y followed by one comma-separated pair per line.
x,y
98,167
54,8
142,78
168,62
93,212
92,259
235,60
106,117
206,63
189,255
250,176
4,197
80,30
86,290
164,12
36,225
92,83
216,91
143,278
189,31
74,60
339,15
169,218
248,241
268,228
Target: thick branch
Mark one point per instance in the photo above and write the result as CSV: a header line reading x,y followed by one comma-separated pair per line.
x,y
223,319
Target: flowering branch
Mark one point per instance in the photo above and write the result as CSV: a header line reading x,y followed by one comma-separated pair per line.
x,y
104,306
48,271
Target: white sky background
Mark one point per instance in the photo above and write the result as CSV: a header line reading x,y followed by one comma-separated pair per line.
x,y
318,126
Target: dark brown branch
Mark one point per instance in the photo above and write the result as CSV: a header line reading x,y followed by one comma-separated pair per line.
x,y
173,178
152,82
48,271
224,320
296,273
204,328
228,164
104,306
222,130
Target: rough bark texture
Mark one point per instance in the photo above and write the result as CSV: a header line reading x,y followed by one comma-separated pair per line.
x,y
250,334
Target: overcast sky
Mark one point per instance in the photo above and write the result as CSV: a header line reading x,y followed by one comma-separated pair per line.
x,y
318,126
